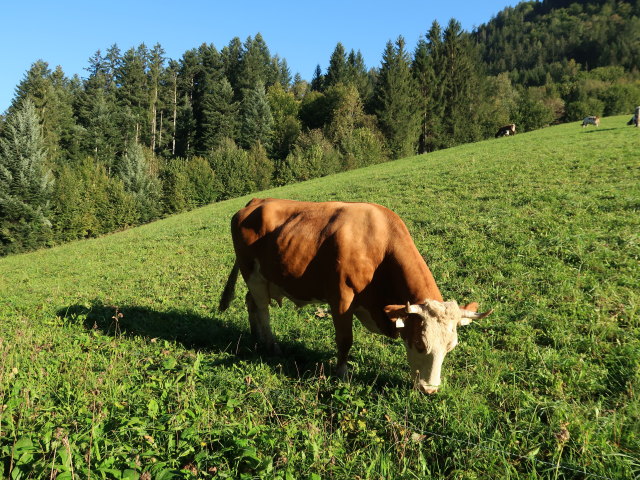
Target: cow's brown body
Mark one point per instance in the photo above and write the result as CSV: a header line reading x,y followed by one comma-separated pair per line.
x,y
357,257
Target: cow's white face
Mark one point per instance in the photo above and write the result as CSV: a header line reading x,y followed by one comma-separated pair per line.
x,y
429,332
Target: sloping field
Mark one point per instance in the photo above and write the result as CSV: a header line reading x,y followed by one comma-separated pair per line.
x,y
115,364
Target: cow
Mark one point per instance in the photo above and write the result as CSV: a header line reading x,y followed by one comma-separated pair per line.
x,y
635,120
591,120
357,257
506,131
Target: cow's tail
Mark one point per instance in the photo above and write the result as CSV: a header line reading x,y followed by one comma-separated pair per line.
x,y
229,289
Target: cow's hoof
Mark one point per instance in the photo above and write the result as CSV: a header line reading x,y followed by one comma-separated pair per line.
x,y
275,349
342,372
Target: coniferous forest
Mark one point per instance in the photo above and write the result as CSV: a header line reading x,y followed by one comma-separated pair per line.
x,y
141,135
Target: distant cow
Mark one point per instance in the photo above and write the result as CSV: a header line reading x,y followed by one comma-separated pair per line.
x,y
635,120
357,257
591,120
506,131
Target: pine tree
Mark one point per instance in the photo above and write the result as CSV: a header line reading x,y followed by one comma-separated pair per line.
x,y
154,74
96,112
220,115
338,70
256,121
256,65
358,75
133,169
317,81
232,63
428,70
395,101
133,96
25,183
462,86
51,95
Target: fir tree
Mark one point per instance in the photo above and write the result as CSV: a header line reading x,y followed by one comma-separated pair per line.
x,y
25,183
133,170
462,86
395,101
428,70
338,70
256,121
220,115
317,81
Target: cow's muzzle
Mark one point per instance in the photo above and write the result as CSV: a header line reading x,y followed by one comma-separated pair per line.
x,y
424,387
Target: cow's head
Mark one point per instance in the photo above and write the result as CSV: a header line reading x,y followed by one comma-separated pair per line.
x,y
429,332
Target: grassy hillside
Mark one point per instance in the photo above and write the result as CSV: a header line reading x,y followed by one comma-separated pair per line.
x,y
115,364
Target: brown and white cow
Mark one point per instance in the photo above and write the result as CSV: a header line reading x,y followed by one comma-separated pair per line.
x,y
506,131
591,120
357,257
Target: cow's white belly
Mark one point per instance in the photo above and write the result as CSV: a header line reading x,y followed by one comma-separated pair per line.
x,y
264,291
365,318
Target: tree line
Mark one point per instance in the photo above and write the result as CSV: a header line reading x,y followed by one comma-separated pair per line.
x,y
143,136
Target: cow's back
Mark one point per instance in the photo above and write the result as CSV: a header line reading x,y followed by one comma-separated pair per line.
x,y
321,250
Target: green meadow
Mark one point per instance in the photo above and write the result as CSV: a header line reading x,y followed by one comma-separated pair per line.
x,y
114,362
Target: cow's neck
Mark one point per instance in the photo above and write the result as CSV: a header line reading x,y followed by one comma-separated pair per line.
x,y
418,280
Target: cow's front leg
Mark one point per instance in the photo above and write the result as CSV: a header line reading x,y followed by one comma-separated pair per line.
x,y
344,339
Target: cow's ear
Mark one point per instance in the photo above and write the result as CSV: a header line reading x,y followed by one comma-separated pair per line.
x,y
472,307
396,313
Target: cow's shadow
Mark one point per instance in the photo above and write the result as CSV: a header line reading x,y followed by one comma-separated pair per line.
x,y
596,130
211,334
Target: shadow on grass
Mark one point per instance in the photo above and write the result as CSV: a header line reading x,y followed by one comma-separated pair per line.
x,y
211,334
599,130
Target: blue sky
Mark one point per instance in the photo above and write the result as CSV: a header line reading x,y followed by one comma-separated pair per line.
x,y
68,33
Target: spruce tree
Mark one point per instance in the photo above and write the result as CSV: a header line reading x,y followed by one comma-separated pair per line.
x,y
338,70
51,95
256,121
429,70
220,115
255,65
133,170
395,101
358,75
317,81
462,86
25,182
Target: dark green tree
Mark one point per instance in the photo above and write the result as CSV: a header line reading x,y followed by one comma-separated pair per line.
x,y
338,70
219,115
462,86
429,73
395,101
317,81
133,169
52,96
256,121
25,182
256,65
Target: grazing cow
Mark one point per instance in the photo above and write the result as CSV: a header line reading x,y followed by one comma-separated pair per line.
x,y
506,131
591,120
357,257
635,120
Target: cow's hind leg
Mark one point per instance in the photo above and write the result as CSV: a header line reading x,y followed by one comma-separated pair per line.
x,y
257,301
343,325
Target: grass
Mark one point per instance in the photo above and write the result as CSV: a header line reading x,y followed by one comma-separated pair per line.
x,y
115,364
